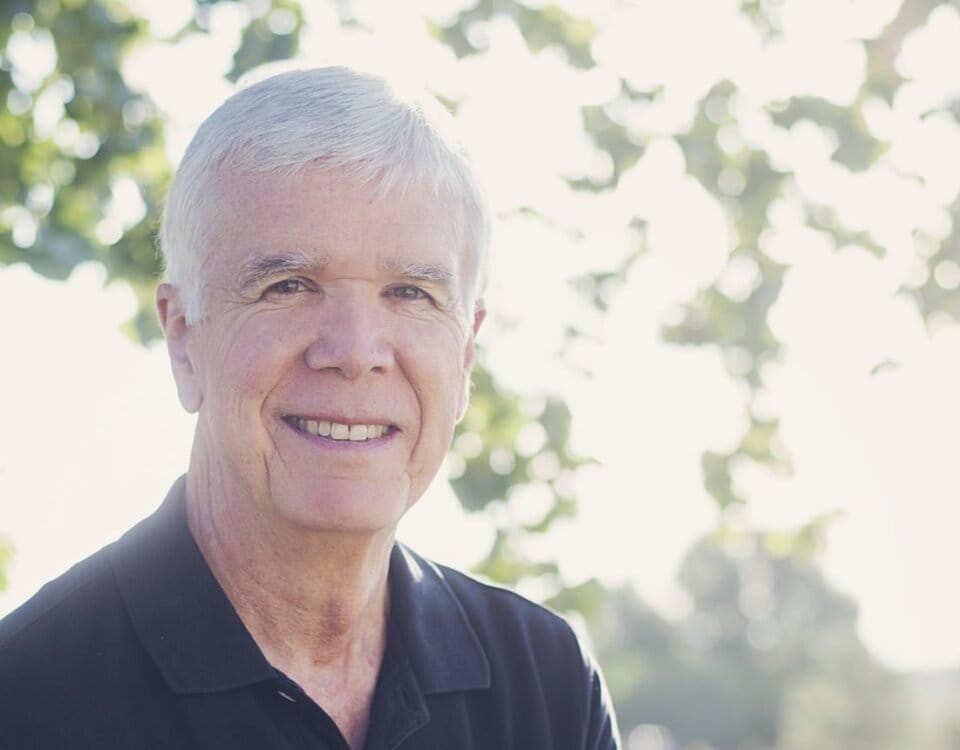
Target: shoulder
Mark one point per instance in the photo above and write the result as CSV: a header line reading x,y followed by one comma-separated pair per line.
x,y
525,641
496,611
538,662
519,638
60,603
74,630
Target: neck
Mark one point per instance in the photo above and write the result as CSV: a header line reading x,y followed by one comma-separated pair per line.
x,y
310,599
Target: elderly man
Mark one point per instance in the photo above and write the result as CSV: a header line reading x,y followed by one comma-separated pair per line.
x,y
324,244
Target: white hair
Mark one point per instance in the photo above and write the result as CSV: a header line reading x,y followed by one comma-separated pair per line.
x,y
332,117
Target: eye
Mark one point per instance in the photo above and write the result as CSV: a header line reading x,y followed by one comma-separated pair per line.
x,y
285,288
408,292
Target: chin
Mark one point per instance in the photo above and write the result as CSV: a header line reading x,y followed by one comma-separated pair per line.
x,y
345,506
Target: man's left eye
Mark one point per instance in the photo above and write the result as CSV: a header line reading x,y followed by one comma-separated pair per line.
x,y
408,292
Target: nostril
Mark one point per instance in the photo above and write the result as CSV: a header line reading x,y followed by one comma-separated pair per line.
x,y
349,356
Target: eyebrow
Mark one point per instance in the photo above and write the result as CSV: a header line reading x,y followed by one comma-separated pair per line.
x,y
254,272
436,273
257,270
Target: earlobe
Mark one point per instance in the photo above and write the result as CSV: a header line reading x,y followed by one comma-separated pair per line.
x,y
178,334
479,314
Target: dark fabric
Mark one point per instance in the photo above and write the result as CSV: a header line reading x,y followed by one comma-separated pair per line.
x,y
139,647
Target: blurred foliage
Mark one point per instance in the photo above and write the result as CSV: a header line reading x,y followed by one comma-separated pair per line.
x,y
746,183
739,326
74,135
6,554
75,139
72,131
767,658
505,446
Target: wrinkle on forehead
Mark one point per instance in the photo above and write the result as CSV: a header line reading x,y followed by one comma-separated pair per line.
x,y
243,198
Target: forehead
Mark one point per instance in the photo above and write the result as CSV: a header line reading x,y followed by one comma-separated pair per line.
x,y
324,214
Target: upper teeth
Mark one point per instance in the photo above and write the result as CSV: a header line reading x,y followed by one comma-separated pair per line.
x,y
338,431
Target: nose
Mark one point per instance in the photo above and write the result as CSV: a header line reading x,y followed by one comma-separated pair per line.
x,y
353,337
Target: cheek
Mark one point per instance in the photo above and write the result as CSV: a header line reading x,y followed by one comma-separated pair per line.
x,y
434,365
250,361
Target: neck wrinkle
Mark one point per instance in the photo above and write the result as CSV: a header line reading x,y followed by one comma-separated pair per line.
x,y
309,599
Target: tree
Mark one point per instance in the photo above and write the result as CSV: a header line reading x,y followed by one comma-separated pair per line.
x,y
79,144
846,701
767,657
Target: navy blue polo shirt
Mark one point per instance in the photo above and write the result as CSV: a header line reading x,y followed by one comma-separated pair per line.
x,y
139,647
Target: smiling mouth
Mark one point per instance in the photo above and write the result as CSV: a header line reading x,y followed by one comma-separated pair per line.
x,y
356,433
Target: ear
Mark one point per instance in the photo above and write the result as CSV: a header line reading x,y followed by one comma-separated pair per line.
x,y
179,333
479,313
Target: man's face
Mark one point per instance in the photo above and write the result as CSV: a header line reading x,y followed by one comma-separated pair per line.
x,y
333,359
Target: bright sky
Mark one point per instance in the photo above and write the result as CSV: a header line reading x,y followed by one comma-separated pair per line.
x,y
93,432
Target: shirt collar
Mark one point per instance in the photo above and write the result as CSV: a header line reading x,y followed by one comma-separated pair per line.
x,y
199,644
440,642
181,615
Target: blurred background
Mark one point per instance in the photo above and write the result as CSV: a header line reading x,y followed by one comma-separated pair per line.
x,y
716,416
